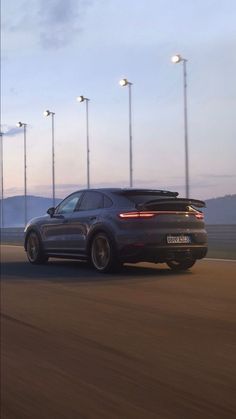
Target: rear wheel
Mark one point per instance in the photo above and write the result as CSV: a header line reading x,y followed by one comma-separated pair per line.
x,y
180,265
34,249
103,253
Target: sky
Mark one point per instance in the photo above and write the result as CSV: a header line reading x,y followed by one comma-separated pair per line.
x,y
55,50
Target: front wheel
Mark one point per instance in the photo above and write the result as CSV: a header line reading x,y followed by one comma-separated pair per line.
x,y
34,249
180,265
103,253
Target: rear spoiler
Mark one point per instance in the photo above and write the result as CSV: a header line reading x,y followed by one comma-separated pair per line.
x,y
194,202
157,192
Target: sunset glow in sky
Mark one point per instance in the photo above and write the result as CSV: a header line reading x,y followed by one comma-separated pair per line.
x,y
56,50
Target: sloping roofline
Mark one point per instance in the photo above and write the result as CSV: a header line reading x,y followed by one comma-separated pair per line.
x,y
134,191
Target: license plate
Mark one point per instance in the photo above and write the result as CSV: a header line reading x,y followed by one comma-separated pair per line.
x,y
178,239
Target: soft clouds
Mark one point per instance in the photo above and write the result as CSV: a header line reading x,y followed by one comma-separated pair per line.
x,y
53,24
60,21
10,131
55,50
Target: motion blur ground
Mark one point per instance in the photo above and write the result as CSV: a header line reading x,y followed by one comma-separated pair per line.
x,y
146,343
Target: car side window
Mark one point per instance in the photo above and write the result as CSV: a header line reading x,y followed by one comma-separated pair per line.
x,y
91,200
69,204
107,202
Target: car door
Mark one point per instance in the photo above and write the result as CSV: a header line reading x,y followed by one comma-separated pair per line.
x,y
86,215
61,231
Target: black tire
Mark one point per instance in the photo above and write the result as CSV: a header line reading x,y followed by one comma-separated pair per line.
x,y
34,249
103,254
180,265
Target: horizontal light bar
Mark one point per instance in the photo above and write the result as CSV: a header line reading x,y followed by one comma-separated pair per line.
x,y
151,214
137,214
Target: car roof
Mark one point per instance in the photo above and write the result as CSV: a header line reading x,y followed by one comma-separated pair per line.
x,y
130,190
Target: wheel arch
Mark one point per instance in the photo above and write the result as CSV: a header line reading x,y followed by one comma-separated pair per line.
x,y
96,230
30,230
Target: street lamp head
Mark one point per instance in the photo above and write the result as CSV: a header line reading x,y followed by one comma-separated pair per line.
x,y
176,59
46,113
19,124
80,98
124,82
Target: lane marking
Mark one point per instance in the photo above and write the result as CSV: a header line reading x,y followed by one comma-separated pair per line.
x,y
11,245
18,321
220,260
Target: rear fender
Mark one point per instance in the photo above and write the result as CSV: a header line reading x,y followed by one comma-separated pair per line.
x,y
98,229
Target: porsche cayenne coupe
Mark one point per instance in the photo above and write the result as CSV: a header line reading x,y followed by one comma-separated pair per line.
x,y
109,227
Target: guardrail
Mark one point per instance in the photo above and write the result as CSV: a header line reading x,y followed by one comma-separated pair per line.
x,y
12,235
221,239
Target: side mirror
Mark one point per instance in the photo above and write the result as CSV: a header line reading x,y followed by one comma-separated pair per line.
x,y
51,211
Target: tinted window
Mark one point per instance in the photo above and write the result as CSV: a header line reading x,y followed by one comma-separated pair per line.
x,y
107,202
91,200
141,198
69,204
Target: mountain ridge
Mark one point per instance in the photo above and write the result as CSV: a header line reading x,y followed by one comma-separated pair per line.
x,y
220,210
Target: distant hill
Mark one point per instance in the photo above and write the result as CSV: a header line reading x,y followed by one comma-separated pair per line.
x,y
13,209
218,211
221,210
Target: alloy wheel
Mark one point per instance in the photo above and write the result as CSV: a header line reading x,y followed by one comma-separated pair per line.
x,y
33,247
101,252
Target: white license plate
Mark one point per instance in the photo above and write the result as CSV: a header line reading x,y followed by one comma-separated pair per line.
x,y
178,239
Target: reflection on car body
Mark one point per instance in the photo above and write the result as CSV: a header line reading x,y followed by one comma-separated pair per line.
x,y
112,226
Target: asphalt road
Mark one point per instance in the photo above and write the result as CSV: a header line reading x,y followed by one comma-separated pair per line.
x,y
144,343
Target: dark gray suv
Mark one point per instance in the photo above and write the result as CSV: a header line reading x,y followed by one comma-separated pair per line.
x,y
109,227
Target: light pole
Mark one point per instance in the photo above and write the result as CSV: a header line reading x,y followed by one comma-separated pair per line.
x,y
48,113
2,184
82,99
20,125
177,59
125,82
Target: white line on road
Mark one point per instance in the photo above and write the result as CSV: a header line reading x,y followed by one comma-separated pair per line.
x,y
220,260
11,245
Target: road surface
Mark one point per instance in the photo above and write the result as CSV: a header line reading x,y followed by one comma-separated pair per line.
x,y
144,343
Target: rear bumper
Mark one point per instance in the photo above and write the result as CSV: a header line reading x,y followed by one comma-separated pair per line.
x,y
146,253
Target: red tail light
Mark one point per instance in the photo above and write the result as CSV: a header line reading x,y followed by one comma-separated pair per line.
x,y
137,214
199,215
151,214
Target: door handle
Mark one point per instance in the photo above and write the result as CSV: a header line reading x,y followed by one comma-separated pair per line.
x,y
92,218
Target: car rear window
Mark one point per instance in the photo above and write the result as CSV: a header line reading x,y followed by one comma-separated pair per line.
x,y
160,200
142,198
